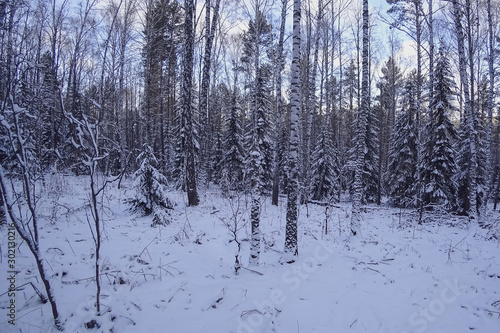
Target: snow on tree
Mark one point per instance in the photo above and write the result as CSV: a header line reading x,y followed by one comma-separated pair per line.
x,y
403,151
468,179
463,177
325,168
259,158
150,183
20,206
291,246
233,157
361,134
437,167
188,139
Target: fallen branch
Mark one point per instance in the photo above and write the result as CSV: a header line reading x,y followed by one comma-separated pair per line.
x,y
253,271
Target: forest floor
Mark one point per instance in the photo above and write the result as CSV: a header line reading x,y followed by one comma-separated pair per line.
x,y
441,276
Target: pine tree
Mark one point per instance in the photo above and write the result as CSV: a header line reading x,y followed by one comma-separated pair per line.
x,y
150,185
437,168
403,151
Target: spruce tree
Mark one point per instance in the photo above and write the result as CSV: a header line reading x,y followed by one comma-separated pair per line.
x,y
403,151
232,162
150,186
437,168
325,168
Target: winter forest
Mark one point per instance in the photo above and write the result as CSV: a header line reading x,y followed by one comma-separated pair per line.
x,y
249,166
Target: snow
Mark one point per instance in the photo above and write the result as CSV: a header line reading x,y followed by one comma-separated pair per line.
x,y
442,276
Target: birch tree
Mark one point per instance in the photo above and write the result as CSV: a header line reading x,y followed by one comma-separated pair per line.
x,y
360,144
291,246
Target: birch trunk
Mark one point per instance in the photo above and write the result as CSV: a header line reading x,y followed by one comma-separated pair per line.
x,y
291,246
361,130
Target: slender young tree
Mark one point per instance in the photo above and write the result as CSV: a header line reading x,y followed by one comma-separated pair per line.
x,y
310,106
291,246
491,94
24,218
280,59
211,22
259,159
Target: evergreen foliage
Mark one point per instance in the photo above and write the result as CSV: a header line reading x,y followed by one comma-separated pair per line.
x,y
231,164
150,183
403,159
438,167
325,168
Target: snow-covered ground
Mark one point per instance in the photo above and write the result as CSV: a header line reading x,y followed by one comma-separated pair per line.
x,y
442,276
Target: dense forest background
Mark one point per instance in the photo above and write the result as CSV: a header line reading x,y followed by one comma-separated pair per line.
x,y
207,87
323,102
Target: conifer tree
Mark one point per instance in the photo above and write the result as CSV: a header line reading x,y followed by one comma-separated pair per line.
x,y
437,168
233,158
403,151
150,185
325,168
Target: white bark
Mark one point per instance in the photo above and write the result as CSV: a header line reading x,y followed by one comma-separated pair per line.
x,y
291,247
361,130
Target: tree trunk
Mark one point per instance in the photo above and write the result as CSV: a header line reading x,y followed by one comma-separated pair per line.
x,y
361,130
489,129
187,112
279,103
255,221
291,246
311,105
210,26
469,116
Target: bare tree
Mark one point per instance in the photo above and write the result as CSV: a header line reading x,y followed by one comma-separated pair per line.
x,y
25,224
